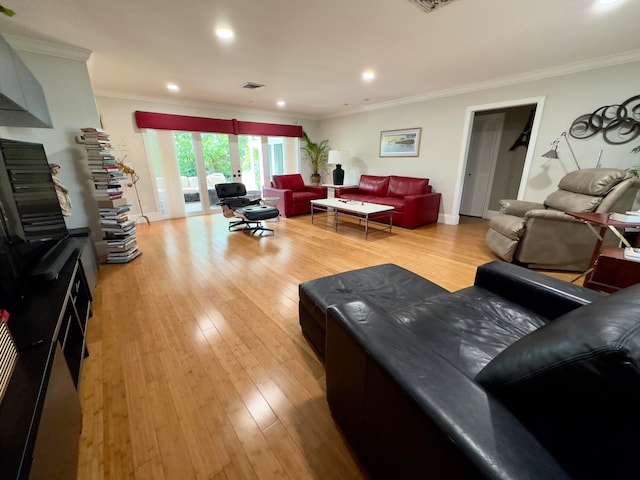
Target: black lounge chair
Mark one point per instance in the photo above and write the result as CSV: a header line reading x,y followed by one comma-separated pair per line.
x,y
249,212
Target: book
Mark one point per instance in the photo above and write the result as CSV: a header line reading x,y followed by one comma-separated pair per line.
x,y
633,217
631,253
111,203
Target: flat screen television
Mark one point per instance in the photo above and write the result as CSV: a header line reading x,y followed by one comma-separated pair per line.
x,y
31,221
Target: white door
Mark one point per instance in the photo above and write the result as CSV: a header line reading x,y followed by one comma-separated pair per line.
x,y
483,154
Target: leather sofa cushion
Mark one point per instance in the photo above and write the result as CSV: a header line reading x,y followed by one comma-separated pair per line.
x,y
289,182
403,186
388,286
591,181
595,341
572,202
576,382
468,327
373,185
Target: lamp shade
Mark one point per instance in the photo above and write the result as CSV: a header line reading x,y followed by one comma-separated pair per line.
x,y
338,157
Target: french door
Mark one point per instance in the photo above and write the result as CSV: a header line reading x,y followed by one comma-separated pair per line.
x,y
188,165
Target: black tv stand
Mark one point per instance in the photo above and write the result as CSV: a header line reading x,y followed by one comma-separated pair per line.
x,y
40,414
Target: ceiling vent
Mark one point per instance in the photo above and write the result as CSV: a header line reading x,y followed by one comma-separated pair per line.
x,y
252,85
429,5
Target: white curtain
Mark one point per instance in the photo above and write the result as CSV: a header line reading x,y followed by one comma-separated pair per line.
x,y
163,163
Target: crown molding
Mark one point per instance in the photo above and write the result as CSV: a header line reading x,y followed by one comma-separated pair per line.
x,y
577,67
47,48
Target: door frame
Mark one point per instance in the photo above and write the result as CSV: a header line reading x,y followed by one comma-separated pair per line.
x,y
466,142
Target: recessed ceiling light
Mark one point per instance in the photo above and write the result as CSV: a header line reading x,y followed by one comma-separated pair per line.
x,y
368,75
173,87
281,103
224,33
607,2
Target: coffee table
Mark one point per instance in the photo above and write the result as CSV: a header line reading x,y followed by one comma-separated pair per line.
x,y
351,208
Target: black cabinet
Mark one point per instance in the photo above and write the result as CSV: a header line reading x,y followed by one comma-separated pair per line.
x,y
40,416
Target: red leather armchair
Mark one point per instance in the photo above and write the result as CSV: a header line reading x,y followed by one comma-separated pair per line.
x,y
294,196
414,203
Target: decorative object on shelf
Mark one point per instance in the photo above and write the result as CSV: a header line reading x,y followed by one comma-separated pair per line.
x,y
338,158
618,123
61,190
553,153
9,351
317,155
429,5
127,170
400,143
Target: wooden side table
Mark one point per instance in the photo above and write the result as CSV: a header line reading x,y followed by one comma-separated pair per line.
x,y
331,188
605,223
613,272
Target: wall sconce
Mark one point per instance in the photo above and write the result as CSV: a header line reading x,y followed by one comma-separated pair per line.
x,y
553,153
337,158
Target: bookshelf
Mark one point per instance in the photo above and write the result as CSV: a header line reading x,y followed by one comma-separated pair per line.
x,y
118,230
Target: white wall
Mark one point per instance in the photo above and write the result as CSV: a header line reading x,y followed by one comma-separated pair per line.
x,y
118,119
69,95
443,120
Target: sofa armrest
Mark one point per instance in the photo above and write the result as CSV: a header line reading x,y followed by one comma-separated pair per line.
x,y
518,207
544,295
421,209
410,413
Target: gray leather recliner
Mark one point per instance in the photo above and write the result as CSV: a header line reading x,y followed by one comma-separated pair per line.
x,y
542,235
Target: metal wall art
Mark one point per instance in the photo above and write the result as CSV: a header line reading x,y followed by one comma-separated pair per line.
x,y
618,123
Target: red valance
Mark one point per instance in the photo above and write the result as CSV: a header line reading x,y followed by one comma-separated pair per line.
x,y
165,121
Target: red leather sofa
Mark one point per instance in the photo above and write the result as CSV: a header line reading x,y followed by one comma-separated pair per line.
x,y
414,203
294,196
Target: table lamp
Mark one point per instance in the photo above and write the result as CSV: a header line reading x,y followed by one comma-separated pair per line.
x,y
337,158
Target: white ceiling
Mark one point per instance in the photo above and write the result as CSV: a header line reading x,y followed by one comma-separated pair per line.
x,y
312,53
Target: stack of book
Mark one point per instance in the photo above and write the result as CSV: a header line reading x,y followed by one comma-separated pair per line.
x,y
118,231
631,216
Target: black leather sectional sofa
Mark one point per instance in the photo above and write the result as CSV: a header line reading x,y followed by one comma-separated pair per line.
x,y
520,376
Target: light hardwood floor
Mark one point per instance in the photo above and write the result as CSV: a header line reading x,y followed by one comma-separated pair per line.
x,y
197,365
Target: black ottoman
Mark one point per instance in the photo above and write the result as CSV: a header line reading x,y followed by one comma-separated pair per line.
x,y
389,286
252,217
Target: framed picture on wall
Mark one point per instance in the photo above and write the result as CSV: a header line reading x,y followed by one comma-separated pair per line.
x,y
400,143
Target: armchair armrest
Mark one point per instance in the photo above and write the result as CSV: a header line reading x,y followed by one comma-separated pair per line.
x,y
281,193
285,197
316,189
413,423
518,208
551,214
544,295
